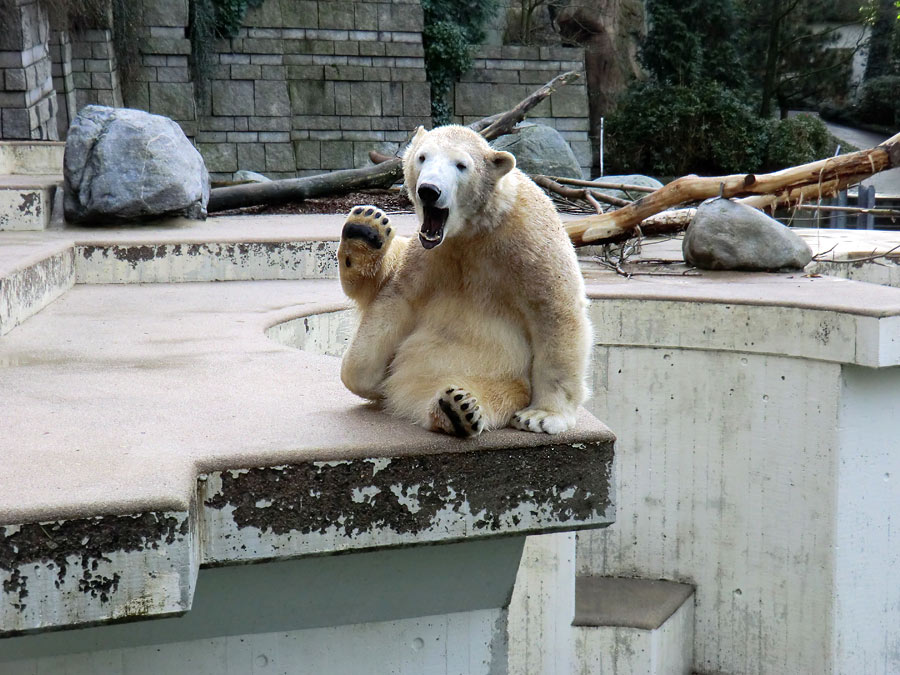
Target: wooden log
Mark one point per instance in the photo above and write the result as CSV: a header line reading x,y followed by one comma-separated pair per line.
x,y
808,182
381,175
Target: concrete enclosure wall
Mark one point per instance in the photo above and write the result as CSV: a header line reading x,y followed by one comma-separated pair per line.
x,y
304,87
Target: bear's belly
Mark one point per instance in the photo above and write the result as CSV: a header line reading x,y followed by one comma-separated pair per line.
x,y
456,338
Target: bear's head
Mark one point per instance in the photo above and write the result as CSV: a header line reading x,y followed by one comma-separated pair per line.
x,y
451,175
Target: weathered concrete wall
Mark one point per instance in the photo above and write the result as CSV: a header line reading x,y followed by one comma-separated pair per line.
x,y
746,476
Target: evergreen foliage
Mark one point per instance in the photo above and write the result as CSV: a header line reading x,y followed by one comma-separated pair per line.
x,y
451,28
693,41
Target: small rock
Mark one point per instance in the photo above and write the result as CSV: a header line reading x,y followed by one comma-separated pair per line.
x,y
540,149
629,179
725,235
122,164
244,176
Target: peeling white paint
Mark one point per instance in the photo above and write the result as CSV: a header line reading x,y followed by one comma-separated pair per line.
x,y
364,495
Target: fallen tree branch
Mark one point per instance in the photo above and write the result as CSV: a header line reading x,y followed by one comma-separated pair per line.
x,y
808,182
603,185
553,185
381,175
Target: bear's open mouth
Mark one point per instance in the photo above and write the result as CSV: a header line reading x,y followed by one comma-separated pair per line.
x,y
432,231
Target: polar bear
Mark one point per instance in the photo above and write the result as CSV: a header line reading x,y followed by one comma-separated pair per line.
x,y
481,322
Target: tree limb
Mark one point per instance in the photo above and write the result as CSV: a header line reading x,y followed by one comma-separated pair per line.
x,y
381,175
807,182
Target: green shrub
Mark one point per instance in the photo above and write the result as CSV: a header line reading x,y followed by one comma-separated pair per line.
x,y
798,140
673,130
879,102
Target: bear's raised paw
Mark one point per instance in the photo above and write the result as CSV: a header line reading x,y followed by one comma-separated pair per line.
x,y
458,413
368,227
541,421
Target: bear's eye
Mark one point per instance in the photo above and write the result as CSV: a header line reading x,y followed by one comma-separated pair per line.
x,y
460,166
422,157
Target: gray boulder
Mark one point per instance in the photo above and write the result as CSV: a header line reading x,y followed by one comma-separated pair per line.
x,y
540,149
725,235
122,164
244,176
629,179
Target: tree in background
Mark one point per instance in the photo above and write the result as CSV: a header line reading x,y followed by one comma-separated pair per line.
x,y
882,15
694,41
698,111
790,51
452,27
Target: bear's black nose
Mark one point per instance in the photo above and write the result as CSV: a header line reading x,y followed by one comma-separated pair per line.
x,y
429,193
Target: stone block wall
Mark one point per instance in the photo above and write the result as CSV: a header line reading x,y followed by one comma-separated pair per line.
x,y
27,96
63,79
305,86
503,75
94,69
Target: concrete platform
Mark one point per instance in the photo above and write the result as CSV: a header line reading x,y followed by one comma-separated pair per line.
x,y
160,428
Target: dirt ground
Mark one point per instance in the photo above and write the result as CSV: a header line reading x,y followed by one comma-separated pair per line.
x,y
389,201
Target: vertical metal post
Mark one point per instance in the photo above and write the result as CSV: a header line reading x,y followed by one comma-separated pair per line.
x,y
601,147
865,200
841,220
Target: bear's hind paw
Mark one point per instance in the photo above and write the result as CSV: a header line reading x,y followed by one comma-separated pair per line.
x,y
459,414
541,421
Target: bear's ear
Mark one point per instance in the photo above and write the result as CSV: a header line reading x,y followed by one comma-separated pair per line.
x,y
420,131
502,162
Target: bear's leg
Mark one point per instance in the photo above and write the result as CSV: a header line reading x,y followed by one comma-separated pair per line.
x,y
368,254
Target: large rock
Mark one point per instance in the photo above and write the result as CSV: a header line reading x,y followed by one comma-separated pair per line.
x,y
123,164
628,179
725,235
540,149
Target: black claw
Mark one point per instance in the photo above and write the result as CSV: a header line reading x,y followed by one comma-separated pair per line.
x,y
358,210
387,231
469,416
450,391
465,406
378,215
458,397
369,212
385,221
458,428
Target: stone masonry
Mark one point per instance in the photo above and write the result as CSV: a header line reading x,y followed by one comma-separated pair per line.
x,y
27,96
502,76
305,86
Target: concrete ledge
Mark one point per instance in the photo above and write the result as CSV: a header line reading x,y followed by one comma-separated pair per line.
x,y
31,157
26,202
138,390
32,276
632,603
96,570
825,319
324,507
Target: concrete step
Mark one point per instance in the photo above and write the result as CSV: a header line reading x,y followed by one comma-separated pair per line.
x,y
633,626
30,202
33,273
